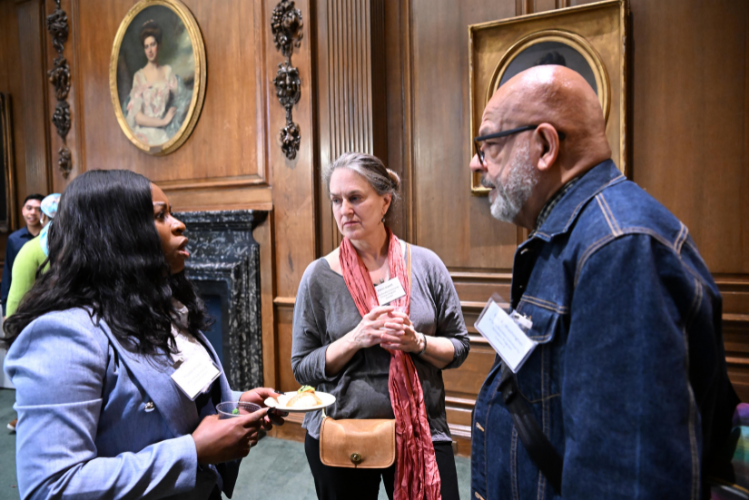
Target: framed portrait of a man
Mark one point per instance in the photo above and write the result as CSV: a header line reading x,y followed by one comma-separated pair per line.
x,y
157,75
590,39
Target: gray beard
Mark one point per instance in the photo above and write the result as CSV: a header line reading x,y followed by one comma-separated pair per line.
x,y
521,180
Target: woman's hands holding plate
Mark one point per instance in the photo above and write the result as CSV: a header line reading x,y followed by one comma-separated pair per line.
x,y
259,396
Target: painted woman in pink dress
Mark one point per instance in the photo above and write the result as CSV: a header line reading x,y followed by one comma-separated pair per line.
x,y
147,112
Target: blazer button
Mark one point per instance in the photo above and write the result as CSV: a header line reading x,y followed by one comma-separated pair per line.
x,y
150,406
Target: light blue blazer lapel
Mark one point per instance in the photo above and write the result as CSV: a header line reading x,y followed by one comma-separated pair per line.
x,y
153,373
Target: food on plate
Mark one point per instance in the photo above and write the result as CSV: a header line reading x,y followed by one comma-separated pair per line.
x,y
304,397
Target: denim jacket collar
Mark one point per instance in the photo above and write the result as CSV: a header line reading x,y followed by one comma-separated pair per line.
x,y
591,183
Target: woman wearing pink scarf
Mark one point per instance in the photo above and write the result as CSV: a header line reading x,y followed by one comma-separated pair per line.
x,y
380,361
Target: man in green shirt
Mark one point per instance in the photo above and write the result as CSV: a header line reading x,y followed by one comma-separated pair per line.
x,y
31,257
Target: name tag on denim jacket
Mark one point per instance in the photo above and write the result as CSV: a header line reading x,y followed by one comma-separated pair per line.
x,y
389,291
195,375
505,335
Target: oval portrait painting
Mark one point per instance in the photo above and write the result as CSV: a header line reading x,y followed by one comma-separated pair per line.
x,y
157,75
550,53
559,47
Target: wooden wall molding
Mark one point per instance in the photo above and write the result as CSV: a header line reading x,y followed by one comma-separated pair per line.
x,y
33,102
523,7
285,301
399,106
215,182
59,76
294,220
286,26
352,96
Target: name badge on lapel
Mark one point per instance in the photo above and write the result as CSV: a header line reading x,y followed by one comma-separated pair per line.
x,y
506,334
195,375
389,291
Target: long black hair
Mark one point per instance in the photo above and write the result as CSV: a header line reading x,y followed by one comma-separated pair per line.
x,y
105,255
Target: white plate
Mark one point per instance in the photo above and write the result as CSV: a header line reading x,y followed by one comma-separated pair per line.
x,y
280,402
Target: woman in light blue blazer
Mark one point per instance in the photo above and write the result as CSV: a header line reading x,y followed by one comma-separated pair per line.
x,y
93,347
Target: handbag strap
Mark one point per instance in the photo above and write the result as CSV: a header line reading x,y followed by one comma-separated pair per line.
x,y
538,446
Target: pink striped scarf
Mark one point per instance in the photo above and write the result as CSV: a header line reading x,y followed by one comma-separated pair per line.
x,y
416,474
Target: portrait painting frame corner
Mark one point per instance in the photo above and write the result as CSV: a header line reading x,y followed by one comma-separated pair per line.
x,y
157,75
590,38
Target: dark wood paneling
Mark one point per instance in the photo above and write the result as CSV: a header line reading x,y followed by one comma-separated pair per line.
x,y
690,121
447,218
10,83
293,180
351,76
398,71
690,127
71,54
33,102
465,382
294,216
263,234
286,381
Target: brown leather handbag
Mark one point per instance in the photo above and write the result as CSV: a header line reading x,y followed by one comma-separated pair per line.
x,y
359,443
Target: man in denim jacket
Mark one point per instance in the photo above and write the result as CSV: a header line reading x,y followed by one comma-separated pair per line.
x,y
628,380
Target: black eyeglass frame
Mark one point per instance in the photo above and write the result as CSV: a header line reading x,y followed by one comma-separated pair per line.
x,y
504,133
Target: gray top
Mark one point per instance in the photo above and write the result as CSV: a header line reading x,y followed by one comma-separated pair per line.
x,y
325,312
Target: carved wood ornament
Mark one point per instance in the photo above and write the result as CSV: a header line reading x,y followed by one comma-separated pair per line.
x,y
286,26
59,77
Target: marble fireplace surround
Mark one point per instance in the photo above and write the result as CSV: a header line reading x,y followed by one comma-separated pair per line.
x,y
225,261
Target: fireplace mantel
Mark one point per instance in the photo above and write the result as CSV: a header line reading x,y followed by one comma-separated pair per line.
x,y
225,262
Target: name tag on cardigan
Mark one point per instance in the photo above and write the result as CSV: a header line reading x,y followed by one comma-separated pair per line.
x,y
389,291
505,336
195,375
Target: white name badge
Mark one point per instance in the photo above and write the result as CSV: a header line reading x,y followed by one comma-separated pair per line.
x,y
195,375
389,291
505,336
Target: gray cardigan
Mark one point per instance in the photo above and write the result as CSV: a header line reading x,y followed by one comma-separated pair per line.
x,y
325,312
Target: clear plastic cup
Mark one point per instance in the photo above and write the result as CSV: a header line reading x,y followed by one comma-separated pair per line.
x,y
230,409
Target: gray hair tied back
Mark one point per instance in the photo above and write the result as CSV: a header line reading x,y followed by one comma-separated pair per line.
x,y
382,179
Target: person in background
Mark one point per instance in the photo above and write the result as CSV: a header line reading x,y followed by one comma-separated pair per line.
x,y
628,385
94,345
31,212
31,257
346,344
27,262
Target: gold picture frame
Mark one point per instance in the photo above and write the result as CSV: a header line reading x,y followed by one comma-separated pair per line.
x,y
592,37
157,99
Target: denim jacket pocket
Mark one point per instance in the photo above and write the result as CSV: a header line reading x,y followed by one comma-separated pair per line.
x,y
535,379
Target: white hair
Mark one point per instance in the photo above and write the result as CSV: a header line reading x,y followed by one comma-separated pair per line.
x,y
521,179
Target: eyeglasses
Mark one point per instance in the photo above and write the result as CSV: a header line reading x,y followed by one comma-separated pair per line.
x,y
504,133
